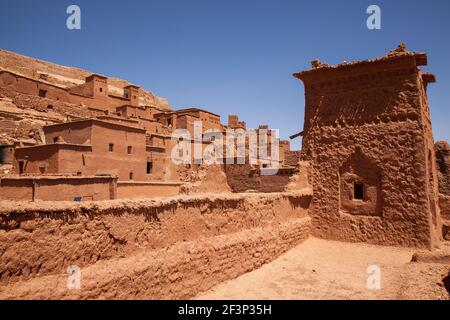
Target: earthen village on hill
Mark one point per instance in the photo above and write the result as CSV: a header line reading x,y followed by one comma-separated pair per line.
x,y
147,201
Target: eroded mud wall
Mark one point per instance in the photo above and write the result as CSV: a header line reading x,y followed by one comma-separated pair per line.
x,y
41,239
443,163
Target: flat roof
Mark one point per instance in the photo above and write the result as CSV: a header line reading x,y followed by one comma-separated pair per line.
x,y
96,75
132,86
420,58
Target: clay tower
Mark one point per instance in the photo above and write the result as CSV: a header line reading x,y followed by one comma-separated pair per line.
x,y
368,135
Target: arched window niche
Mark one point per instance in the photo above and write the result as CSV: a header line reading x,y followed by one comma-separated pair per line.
x,y
360,186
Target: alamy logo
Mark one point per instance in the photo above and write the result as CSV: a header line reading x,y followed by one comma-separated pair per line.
x,y
374,20
234,146
374,279
73,22
74,277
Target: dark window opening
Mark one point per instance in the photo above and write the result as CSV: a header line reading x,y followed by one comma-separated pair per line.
x,y
126,95
111,147
42,170
50,107
358,191
55,139
130,149
131,175
149,167
101,89
21,166
42,93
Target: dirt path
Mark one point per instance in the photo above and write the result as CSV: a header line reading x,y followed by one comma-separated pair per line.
x,y
321,269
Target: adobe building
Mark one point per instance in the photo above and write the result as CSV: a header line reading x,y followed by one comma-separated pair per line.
x,y
367,132
88,147
185,118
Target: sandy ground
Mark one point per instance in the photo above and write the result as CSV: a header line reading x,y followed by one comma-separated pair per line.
x,y
322,269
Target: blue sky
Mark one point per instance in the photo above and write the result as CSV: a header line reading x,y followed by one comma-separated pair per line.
x,y
230,56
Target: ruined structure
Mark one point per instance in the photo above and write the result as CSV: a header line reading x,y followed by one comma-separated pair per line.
x,y
368,136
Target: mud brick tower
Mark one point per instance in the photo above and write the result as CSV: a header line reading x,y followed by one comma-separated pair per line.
x,y
368,136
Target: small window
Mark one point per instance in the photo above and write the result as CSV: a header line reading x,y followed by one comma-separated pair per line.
x,y
358,191
101,89
111,147
149,167
130,150
42,169
55,139
131,175
21,167
42,93
126,95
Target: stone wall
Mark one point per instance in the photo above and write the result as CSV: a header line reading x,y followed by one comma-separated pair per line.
x,y
44,239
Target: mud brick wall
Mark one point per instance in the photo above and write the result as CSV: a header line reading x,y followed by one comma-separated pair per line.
x,y
38,239
274,183
242,178
292,158
369,124
179,272
57,188
443,164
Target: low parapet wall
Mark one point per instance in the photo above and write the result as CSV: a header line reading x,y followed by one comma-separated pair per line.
x,y
57,188
244,177
167,248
